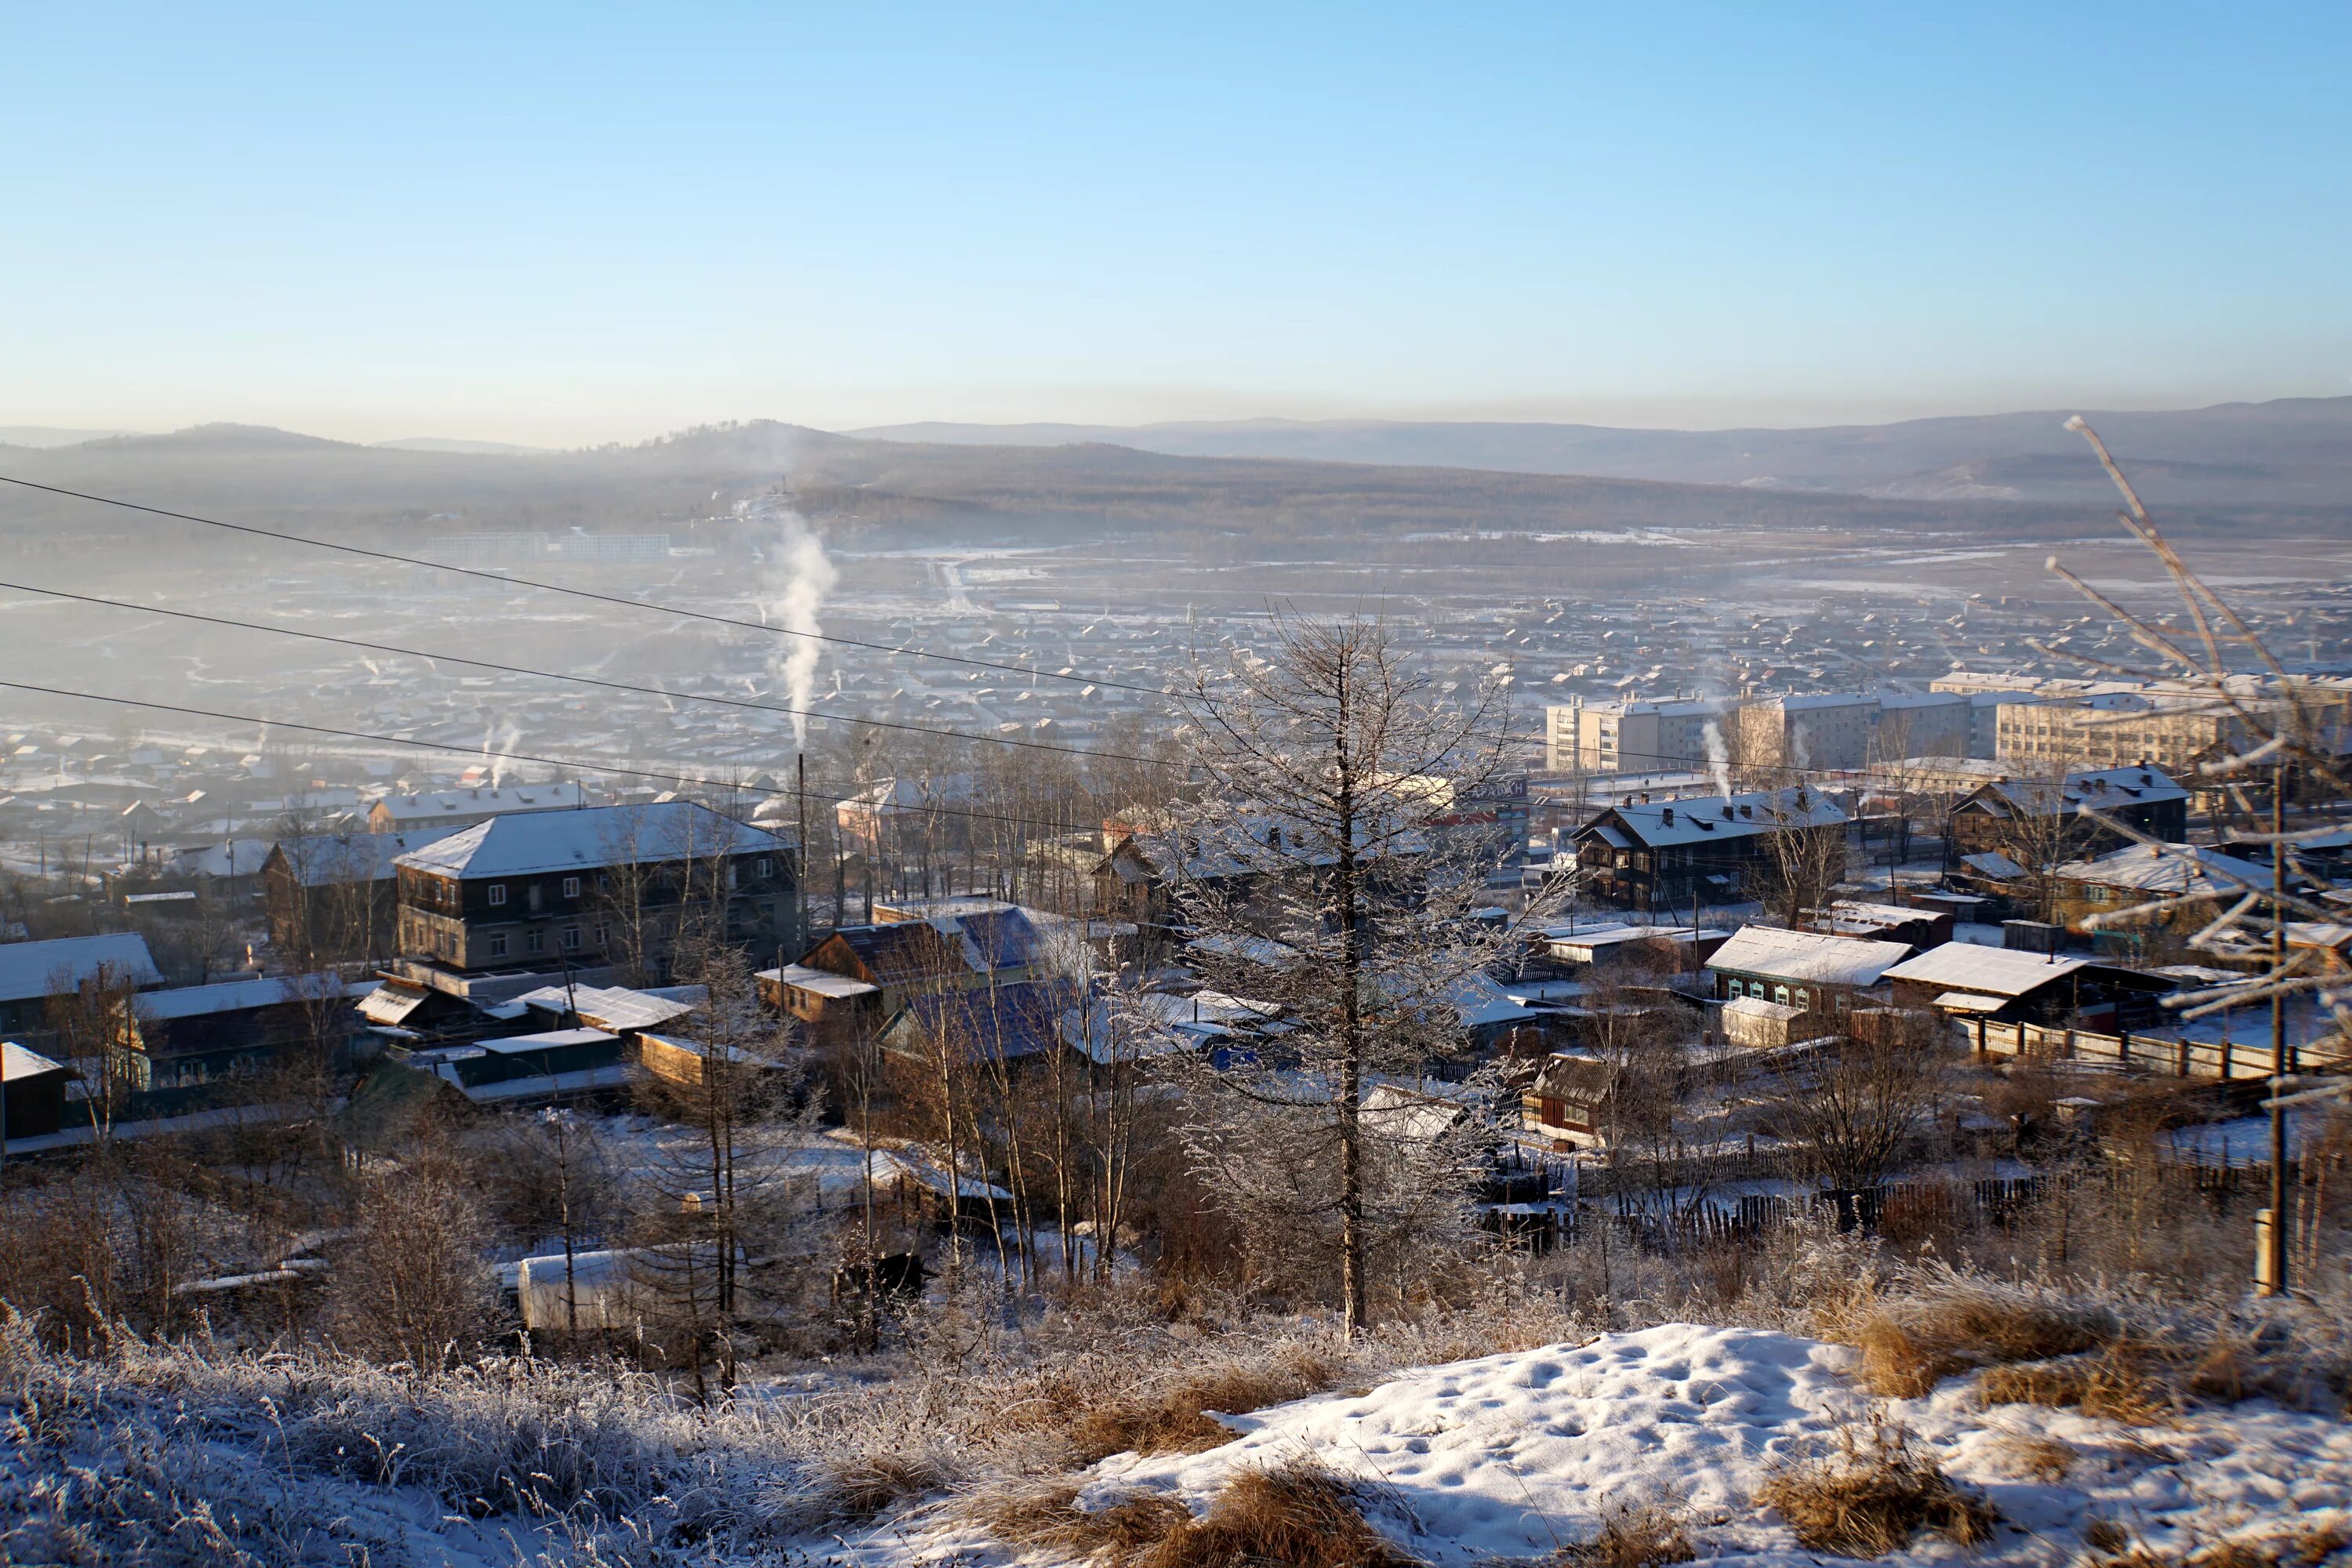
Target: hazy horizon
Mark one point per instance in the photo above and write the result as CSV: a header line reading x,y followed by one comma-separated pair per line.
x,y
556,228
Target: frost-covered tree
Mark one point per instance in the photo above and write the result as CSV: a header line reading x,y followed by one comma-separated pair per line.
x,y
1327,874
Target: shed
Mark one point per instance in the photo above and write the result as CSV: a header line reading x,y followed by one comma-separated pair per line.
x,y
35,1091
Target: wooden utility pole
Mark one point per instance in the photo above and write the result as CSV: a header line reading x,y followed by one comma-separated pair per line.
x,y
2270,1278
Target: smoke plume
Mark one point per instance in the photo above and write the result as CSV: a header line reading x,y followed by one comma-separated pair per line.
x,y
799,577
1718,757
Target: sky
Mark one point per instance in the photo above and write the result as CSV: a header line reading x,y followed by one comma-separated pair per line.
x,y
565,224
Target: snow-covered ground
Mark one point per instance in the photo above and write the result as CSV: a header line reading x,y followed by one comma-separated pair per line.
x,y
1514,1455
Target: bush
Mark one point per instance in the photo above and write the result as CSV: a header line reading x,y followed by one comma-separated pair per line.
x,y
1300,1516
1953,1323
1632,1535
1177,1421
1873,1495
2117,1383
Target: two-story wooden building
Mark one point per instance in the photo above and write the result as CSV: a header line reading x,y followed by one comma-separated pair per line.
x,y
610,885
1663,855
2061,817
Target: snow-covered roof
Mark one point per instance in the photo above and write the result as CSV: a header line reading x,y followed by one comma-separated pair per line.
x,y
239,996
607,1007
552,1041
1695,821
2098,789
16,1062
391,1001
1807,955
1757,1007
422,808
31,969
822,982
1986,971
323,860
545,841
2169,870
1969,1002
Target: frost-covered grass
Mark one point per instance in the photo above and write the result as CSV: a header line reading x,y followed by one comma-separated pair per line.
x,y
1511,1425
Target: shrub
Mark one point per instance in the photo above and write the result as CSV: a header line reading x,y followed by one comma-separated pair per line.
x,y
1957,1324
1300,1516
2035,1455
1632,1535
1177,1421
1873,1494
2117,1383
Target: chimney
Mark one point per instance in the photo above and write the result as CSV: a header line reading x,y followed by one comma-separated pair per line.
x,y
1669,816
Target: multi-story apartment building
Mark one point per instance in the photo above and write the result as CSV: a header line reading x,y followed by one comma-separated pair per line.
x,y
1635,735
2173,730
1819,730
607,885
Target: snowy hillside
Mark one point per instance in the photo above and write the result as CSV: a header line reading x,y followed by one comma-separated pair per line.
x,y
1520,1456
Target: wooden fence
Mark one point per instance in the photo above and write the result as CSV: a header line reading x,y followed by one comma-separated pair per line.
x,y
2223,1061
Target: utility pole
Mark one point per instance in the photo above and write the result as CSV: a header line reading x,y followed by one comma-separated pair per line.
x,y
800,872
2270,1275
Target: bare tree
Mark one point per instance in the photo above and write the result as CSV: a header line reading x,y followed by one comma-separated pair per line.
x,y
1804,858
413,1283
1854,1110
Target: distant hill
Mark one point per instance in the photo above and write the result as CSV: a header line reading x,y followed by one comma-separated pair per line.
x,y
998,492
51,436
2292,451
457,444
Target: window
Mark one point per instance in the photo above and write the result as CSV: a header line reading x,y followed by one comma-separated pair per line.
x,y
603,938
1756,989
1803,998
1781,995
536,941
603,881
571,938
731,871
571,887
2098,894
767,868
497,894
498,945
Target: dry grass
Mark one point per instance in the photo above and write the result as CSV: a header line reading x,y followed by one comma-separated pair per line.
x,y
1047,1514
859,1489
2118,1385
1909,1346
2112,1546
2034,1456
1873,1495
1632,1535
1177,1420
1300,1516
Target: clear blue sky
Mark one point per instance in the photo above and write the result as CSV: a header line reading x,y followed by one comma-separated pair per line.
x,y
583,222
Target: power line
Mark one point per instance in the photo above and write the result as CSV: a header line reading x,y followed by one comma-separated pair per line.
x,y
585,593
940,731
574,764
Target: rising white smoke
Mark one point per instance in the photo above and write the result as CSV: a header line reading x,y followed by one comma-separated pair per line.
x,y
1718,757
799,578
